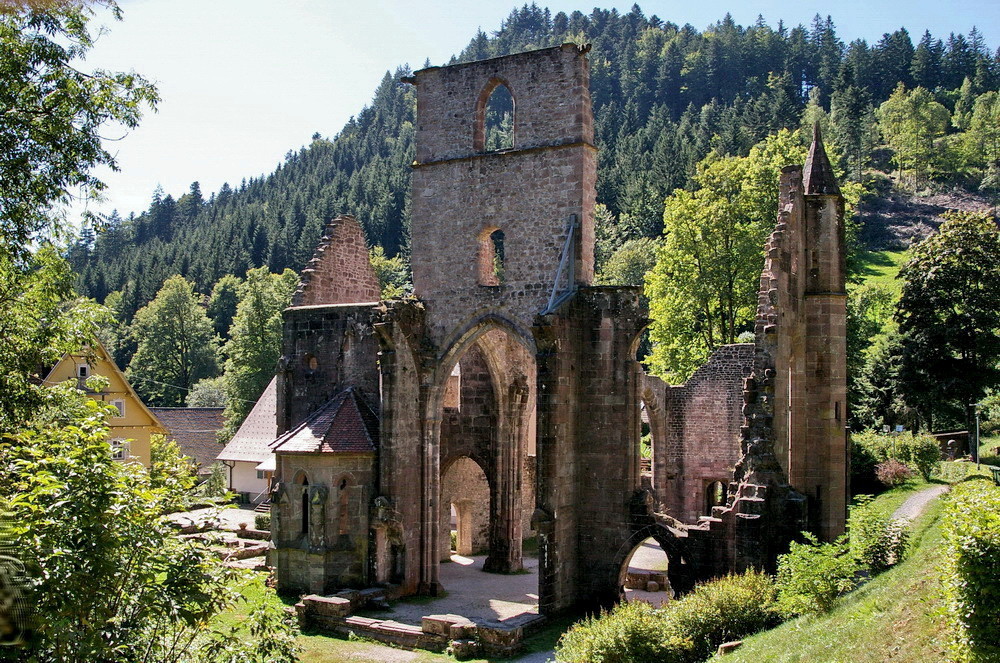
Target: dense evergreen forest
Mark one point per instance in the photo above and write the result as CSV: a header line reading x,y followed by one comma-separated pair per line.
x,y
664,97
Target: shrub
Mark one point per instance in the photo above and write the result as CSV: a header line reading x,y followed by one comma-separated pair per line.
x,y
893,473
687,630
730,608
262,521
812,575
972,536
877,542
920,452
630,632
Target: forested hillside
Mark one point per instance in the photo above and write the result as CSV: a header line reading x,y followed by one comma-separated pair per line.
x,y
664,96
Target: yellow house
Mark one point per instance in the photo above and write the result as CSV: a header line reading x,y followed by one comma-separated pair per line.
x,y
134,424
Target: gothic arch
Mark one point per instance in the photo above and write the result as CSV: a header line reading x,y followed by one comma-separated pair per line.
x,y
479,118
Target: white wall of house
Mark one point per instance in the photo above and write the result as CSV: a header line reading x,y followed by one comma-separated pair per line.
x,y
245,480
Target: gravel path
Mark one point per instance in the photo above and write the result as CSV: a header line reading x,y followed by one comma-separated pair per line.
x,y
915,503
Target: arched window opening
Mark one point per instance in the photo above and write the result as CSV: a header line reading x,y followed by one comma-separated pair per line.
x,y
491,257
304,482
494,125
453,389
715,495
499,120
343,508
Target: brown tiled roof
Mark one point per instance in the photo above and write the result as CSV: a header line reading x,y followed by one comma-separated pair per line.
x,y
345,424
194,429
252,441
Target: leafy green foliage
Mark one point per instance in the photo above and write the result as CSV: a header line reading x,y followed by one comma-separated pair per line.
x,y
949,317
255,342
393,273
910,122
920,452
40,320
877,541
176,345
216,486
633,631
222,304
107,578
684,631
263,521
703,289
813,574
170,472
207,392
972,536
53,114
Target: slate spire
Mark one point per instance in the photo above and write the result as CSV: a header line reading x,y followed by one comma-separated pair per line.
x,y
818,177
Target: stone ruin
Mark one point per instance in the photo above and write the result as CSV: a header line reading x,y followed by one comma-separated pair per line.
x,y
508,388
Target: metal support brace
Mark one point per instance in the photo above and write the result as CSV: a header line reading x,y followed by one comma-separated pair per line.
x,y
565,282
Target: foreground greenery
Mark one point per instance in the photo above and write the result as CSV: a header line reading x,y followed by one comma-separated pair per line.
x,y
102,575
929,597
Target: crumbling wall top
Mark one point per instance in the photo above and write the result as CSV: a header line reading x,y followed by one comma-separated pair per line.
x,y
340,271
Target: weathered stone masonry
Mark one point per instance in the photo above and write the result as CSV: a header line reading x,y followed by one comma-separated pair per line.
x,y
537,386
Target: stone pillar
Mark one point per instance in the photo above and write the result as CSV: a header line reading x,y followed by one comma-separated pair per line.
x,y
505,528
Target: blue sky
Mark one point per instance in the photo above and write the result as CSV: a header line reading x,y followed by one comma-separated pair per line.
x,y
244,81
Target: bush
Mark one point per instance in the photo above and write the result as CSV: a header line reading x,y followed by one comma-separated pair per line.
x,y
893,473
972,536
687,630
630,632
262,521
812,575
877,542
730,608
920,452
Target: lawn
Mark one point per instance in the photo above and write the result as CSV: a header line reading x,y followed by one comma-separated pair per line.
x,y
881,268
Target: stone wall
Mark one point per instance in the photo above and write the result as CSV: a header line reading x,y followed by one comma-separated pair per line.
x,y
324,350
334,552
695,429
340,271
460,194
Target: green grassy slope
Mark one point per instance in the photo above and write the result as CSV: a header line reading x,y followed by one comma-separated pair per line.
x,y
895,617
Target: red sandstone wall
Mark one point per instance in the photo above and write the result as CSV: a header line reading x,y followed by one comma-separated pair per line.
x,y
696,430
340,271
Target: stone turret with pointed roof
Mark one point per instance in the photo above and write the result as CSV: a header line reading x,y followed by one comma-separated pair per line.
x,y
817,174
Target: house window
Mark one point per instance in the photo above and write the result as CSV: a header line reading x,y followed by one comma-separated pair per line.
x,y
82,371
260,474
119,449
119,405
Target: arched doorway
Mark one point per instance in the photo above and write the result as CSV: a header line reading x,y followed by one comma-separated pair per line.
x,y
647,574
486,405
465,502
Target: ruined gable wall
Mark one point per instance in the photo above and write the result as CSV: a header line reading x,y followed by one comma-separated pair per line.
x,y
696,430
339,271
460,194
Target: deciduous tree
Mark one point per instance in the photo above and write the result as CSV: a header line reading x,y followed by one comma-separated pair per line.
x,y
176,345
949,317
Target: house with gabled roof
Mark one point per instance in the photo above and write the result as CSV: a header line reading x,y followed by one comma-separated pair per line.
x,y
196,432
134,424
248,455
